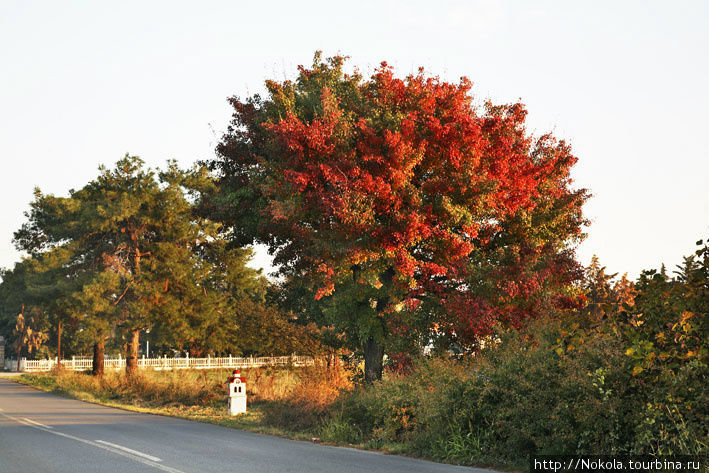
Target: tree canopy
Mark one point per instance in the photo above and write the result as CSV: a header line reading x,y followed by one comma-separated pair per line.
x,y
400,205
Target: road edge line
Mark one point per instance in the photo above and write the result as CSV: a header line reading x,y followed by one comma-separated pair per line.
x,y
125,454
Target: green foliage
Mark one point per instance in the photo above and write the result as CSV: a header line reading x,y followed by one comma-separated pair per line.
x,y
667,336
515,398
128,257
12,289
526,398
339,429
37,288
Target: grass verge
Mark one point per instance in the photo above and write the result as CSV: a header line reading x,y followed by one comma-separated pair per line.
x,y
196,395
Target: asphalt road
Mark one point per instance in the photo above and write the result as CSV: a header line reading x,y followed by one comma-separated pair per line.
x,y
44,433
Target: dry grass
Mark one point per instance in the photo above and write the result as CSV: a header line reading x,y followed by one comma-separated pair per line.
x,y
278,397
301,404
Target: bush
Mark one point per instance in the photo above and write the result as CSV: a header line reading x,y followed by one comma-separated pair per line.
x,y
395,410
674,412
518,397
527,397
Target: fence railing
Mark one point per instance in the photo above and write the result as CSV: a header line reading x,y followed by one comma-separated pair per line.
x,y
164,363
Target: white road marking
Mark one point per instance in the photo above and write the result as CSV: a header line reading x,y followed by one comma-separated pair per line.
x,y
117,451
36,423
130,450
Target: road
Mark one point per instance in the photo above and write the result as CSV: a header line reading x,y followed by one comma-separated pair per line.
x,y
44,433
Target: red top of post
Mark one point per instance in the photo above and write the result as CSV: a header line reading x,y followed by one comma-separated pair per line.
x,y
236,374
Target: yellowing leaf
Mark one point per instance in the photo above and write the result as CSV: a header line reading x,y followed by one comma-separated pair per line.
x,y
686,316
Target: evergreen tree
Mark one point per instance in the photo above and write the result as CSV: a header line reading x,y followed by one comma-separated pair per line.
x,y
127,255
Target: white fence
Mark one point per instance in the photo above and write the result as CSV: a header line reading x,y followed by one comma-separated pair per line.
x,y
165,363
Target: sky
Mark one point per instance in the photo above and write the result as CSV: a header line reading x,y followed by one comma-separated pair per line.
x,y
626,83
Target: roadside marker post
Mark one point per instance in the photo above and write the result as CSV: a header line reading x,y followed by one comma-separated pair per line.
x,y
236,389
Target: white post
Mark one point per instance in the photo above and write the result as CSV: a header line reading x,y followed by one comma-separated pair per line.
x,y
237,396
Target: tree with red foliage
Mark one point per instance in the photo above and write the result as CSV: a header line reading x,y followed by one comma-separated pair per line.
x,y
400,206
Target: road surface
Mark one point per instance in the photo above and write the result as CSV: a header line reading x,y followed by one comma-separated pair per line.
x,y
44,433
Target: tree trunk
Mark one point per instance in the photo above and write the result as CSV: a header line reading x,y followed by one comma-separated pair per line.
x,y
19,352
373,361
19,339
132,354
59,346
98,358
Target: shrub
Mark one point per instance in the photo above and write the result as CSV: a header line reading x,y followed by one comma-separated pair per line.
x,y
518,397
526,397
397,409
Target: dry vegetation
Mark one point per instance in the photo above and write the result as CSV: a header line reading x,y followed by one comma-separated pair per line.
x,y
281,400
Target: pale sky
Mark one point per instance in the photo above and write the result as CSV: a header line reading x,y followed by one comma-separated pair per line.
x,y
627,83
